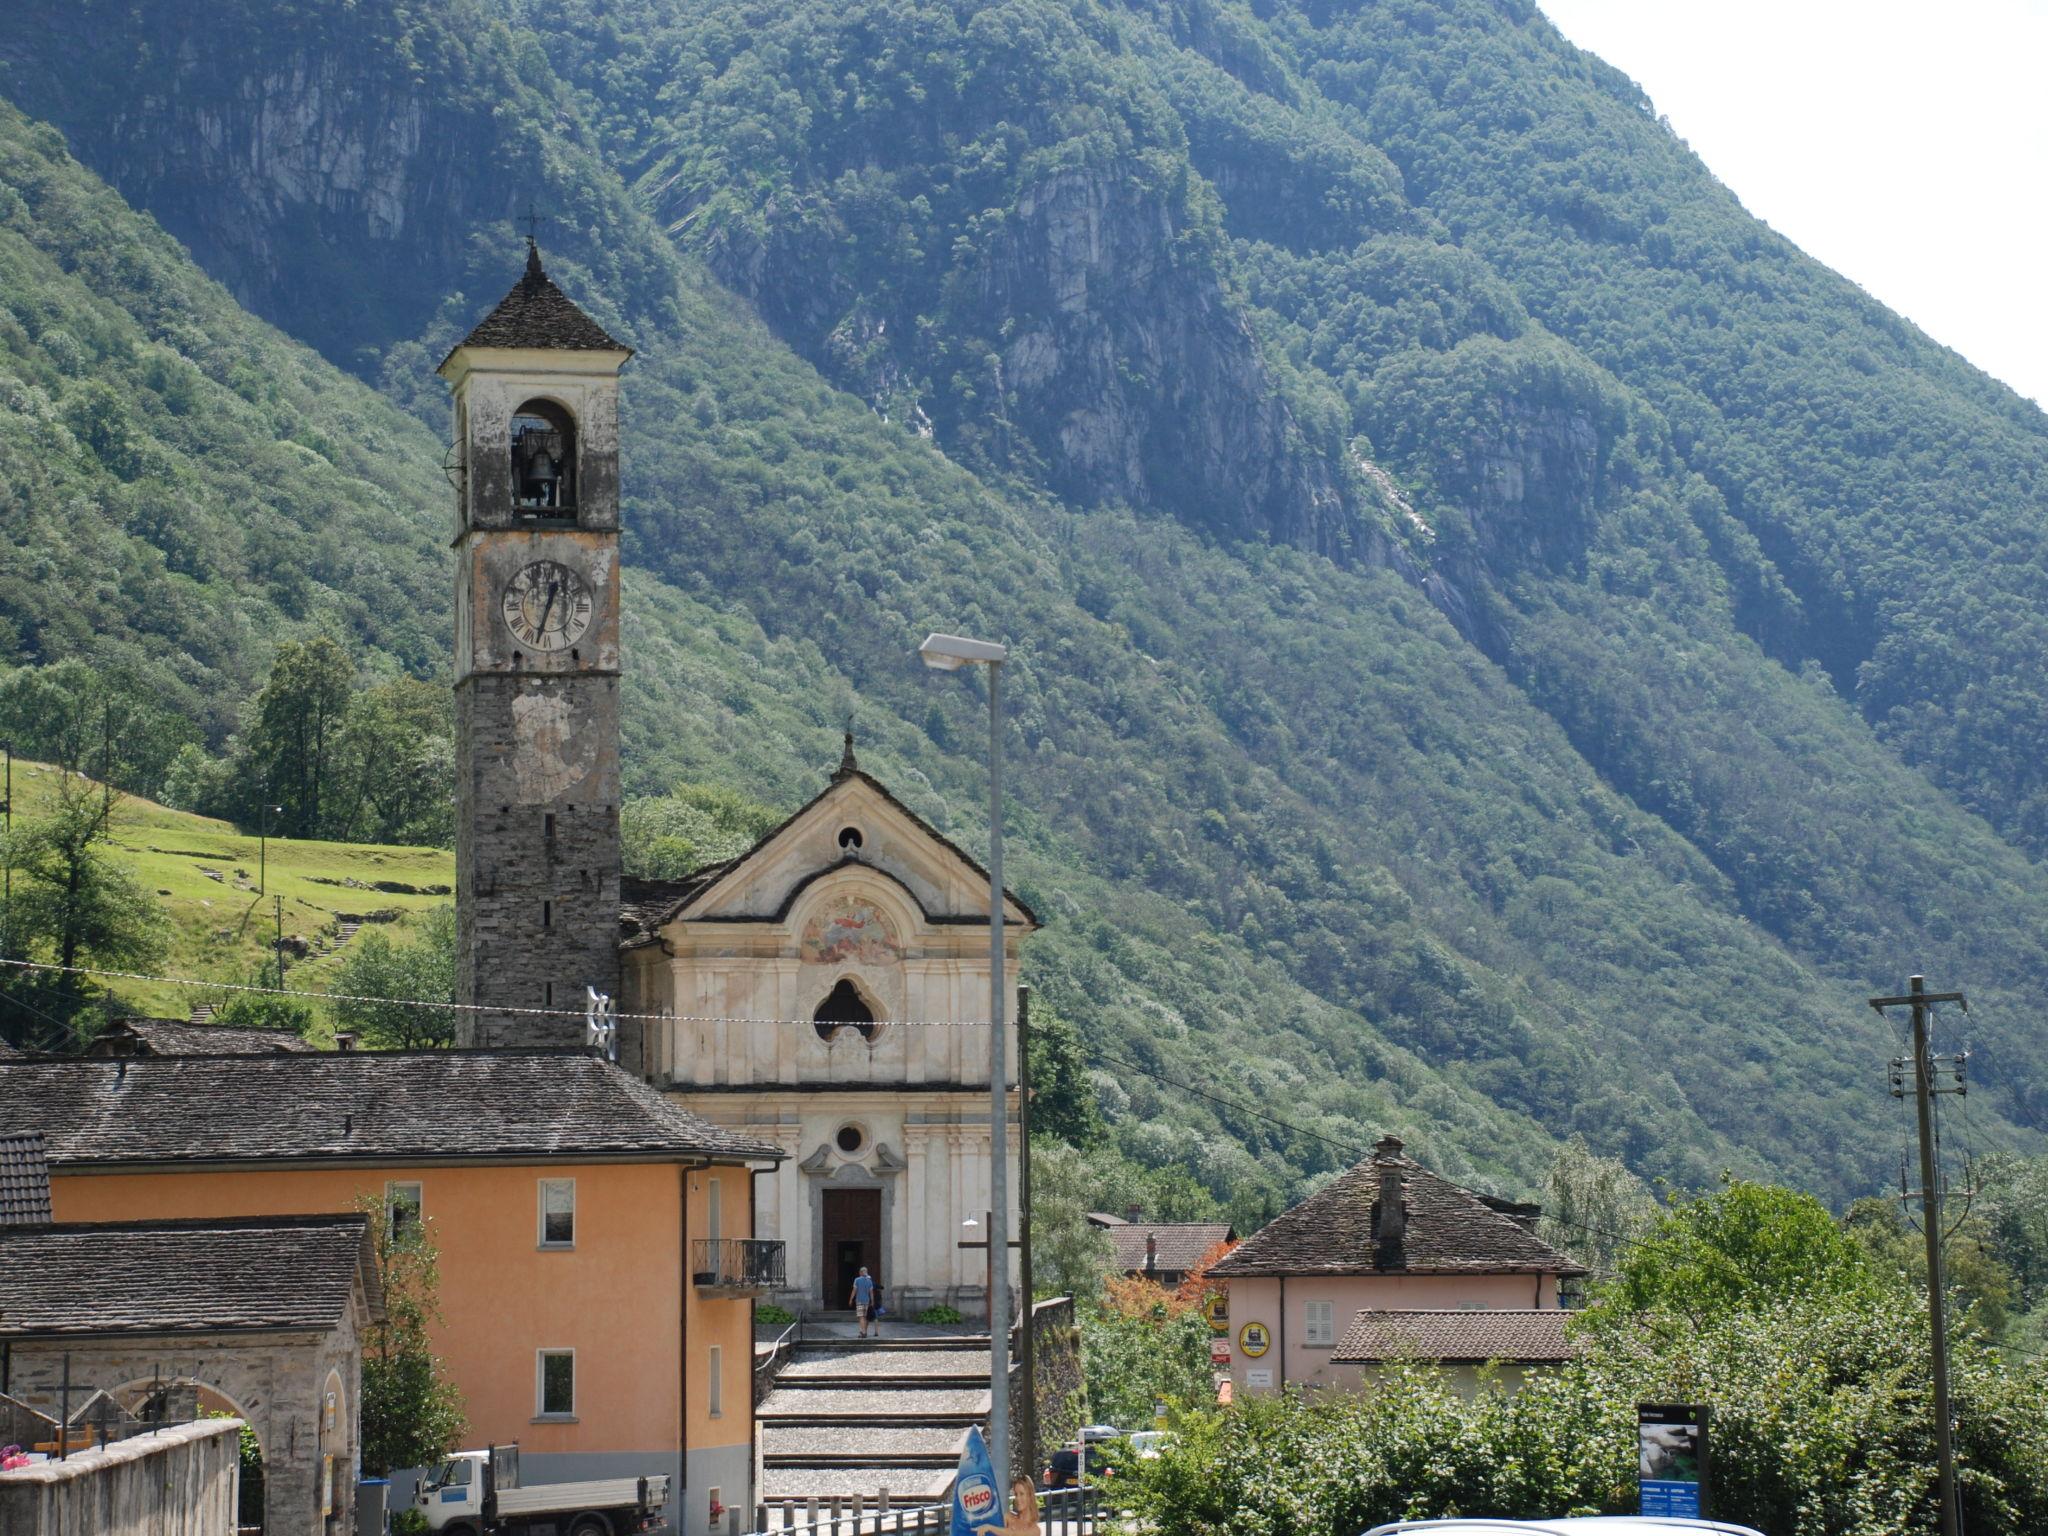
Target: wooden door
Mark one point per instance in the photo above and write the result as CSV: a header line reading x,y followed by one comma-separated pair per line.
x,y
853,1241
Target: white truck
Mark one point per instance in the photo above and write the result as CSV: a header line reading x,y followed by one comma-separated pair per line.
x,y
478,1493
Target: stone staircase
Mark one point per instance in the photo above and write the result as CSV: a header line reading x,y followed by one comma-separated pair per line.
x,y
854,1418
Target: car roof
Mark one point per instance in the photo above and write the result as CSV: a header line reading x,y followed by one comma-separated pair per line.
x,y
1567,1525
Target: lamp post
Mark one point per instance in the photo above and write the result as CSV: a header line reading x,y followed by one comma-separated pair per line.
x,y
949,653
267,810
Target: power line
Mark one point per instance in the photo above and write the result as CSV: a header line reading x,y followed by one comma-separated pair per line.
x,y
414,1002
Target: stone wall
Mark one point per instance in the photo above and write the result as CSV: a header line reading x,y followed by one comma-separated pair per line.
x,y
182,1481
280,1383
1056,1365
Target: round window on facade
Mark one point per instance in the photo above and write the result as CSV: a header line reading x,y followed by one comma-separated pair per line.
x,y
851,1139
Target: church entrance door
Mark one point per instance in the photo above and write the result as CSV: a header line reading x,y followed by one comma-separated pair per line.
x,y
853,1240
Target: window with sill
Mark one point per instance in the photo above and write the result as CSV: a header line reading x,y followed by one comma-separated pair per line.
x,y
558,1213
555,1386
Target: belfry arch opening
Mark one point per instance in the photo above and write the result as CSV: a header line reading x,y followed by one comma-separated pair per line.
x,y
844,1008
543,460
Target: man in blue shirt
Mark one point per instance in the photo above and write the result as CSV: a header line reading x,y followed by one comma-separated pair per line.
x,y
863,1299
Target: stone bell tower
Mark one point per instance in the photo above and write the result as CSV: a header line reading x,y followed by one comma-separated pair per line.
x,y
536,470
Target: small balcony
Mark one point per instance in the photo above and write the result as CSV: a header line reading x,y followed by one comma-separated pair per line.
x,y
735,1266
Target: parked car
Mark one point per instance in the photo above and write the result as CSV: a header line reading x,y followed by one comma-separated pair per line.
x,y
1568,1525
1146,1444
1083,1460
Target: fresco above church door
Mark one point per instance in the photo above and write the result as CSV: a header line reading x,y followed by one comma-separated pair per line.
x,y
850,930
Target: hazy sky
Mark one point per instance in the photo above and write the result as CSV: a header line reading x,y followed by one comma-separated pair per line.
x,y
1903,144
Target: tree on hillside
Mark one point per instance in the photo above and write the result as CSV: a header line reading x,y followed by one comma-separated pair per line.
x,y
397,767
93,719
422,971
412,1414
295,737
667,836
1069,1255
1593,1208
71,904
1062,1095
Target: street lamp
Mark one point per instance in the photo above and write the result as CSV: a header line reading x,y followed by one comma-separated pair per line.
x,y
949,653
263,847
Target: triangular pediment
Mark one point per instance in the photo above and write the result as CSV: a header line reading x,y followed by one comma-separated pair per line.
x,y
855,829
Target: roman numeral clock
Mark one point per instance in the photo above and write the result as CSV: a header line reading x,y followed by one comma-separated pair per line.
x,y
536,474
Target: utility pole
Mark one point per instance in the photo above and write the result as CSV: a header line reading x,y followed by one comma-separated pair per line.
x,y
1027,1346
1922,1002
279,946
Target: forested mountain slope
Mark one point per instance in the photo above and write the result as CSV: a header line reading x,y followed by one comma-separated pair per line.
x,y
1423,716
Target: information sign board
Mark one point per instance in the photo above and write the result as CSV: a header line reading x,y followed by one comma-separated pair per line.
x,y
1671,1446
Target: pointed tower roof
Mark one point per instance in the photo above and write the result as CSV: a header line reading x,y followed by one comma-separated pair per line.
x,y
538,314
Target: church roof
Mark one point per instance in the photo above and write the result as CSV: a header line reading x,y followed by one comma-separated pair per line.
x,y
538,314
1449,1230
352,1106
181,1037
647,905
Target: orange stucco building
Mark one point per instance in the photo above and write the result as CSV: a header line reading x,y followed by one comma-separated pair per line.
x,y
597,1267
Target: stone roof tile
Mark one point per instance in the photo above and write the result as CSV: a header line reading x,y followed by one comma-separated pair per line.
x,y
1180,1245
538,314
181,1037
183,1276
1527,1335
1449,1230
24,1180
388,1105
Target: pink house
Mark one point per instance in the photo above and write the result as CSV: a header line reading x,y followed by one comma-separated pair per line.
x,y
1392,1239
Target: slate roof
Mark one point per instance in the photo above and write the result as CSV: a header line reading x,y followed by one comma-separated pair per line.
x,y
212,1275
646,905
500,1105
1181,1244
538,314
181,1037
24,1181
7,1051
1528,1336
1450,1230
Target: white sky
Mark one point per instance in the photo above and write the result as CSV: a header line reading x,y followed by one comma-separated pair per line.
x,y
1902,142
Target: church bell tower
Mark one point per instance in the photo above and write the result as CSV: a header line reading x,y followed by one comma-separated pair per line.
x,y
536,471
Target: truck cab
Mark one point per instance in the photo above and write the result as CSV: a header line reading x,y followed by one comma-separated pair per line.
x,y
478,1493
452,1495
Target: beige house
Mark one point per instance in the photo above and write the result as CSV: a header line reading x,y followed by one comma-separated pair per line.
x,y
828,993
1388,1237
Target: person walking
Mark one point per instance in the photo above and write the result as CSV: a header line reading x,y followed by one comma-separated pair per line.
x,y
862,1299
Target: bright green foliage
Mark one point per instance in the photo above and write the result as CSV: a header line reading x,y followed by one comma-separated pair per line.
x,y
1070,1255
1746,1247
264,1009
412,1414
421,969
1593,1208
71,904
667,836
1133,1363
939,1317
1062,1097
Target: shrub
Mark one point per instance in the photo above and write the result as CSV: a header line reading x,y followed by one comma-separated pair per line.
x,y
939,1317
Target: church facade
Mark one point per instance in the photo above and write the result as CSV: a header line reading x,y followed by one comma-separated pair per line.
x,y
828,991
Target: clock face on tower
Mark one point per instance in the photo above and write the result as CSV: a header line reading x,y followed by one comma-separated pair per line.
x,y
547,606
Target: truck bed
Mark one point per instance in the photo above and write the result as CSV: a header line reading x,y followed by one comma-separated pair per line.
x,y
567,1498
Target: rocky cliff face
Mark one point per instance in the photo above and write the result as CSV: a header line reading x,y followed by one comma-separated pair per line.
x,y
329,188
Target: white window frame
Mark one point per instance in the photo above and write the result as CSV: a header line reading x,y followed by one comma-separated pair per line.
x,y
1319,1323
714,1206
714,1381
391,1203
540,1198
542,1414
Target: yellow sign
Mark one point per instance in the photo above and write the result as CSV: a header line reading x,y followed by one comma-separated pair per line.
x,y
1218,1310
1254,1340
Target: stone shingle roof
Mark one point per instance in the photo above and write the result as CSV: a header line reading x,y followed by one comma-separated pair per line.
x,y
538,314
212,1275
501,1105
1529,1336
7,1051
1180,1244
181,1037
1449,1230
24,1181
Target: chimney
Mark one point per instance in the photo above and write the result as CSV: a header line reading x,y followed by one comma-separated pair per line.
x,y
1151,1252
1134,1214
344,1041
1392,1226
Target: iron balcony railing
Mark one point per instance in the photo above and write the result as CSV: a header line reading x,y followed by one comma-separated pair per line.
x,y
737,1263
